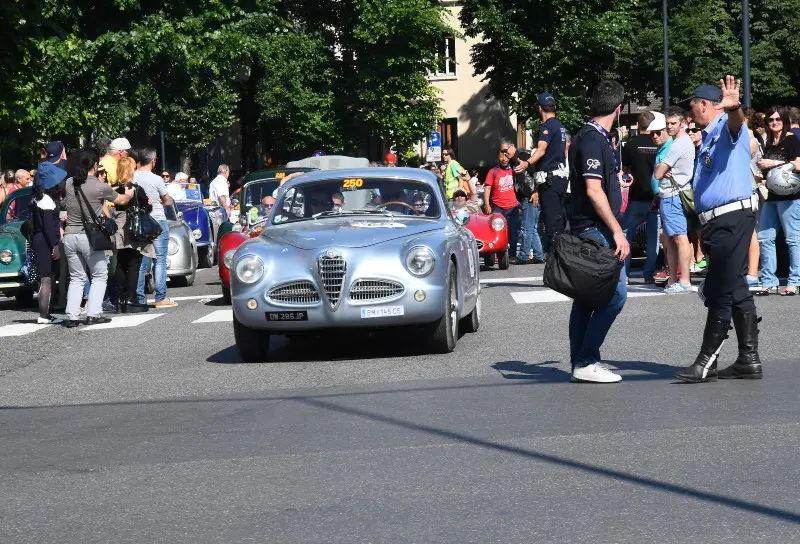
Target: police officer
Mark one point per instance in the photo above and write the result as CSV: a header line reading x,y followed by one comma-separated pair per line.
x,y
722,185
549,159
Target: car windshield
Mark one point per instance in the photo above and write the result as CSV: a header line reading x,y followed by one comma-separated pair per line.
x,y
170,212
19,209
185,192
258,199
357,196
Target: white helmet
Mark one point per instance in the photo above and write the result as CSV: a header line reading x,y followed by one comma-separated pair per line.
x,y
783,180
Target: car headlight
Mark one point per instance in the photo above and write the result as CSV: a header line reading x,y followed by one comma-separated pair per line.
x,y
6,255
420,261
249,269
197,233
498,223
227,259
173,245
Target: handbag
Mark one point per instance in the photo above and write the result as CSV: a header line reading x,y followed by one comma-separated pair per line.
x,y
98,232
687,197
582,269
140,225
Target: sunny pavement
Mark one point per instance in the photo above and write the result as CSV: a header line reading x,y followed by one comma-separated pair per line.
x,y
158,433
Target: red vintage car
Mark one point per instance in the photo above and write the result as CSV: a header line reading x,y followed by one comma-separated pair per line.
x,y
491,233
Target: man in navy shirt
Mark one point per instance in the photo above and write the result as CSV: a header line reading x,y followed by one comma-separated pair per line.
x,y
549,158
594,206
724,205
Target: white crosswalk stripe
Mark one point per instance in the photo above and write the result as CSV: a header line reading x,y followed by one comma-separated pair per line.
x,y
538,296
217,316
20,329
122,321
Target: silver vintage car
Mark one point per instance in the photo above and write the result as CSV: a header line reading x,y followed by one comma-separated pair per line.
x,y
366,248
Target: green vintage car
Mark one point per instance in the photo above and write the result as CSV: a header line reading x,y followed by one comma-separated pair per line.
x,y
18,276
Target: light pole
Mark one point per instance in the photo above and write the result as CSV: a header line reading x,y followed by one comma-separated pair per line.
x,y
746,51
666,52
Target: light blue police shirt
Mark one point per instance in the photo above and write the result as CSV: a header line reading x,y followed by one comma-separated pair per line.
x,y
728,178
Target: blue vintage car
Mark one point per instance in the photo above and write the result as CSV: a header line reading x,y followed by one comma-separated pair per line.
x,y
204,219
18,277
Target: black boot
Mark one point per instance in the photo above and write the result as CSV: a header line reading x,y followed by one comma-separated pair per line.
x,y
704,367
748,364
133,306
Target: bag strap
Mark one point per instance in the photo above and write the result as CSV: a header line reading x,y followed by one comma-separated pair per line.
x,y
79,191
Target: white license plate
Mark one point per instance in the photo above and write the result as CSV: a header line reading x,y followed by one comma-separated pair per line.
x,y
381,311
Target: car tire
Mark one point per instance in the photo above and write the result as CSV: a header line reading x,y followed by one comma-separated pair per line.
x,y
183,281
502,260
149,284
472,322
488,260
24,299
206,255
226,295
251,344
445,334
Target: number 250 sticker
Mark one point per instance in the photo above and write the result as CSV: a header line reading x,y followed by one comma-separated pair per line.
x,y
352,183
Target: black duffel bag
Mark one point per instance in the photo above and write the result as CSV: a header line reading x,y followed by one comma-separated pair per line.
x,y
583,270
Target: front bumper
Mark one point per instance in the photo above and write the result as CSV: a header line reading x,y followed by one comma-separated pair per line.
x,y
347,314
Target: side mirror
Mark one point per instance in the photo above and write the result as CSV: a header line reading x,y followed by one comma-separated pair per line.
x,y
462,218
179,215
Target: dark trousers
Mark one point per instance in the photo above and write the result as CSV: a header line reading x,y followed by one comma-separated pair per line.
x,y
127,273
512,217
726,241
551,200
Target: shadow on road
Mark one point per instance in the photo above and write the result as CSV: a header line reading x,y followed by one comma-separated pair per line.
x,y
546,372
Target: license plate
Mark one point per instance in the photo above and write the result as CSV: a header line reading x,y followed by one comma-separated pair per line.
x,y
381,311
287,316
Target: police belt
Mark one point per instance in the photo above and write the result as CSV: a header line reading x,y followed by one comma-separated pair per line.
x,y
744,204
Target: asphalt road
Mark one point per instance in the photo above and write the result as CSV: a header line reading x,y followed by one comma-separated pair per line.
x,y
154,431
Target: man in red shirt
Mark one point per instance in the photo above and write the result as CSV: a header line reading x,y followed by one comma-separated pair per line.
x,y
499,197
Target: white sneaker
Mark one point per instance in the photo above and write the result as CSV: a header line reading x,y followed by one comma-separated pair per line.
x,y
49,320
594,373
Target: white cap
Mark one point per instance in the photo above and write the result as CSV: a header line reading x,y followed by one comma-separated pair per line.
x,y
659,123
119,144
181,176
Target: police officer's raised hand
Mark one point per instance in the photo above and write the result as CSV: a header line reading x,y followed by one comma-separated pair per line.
x,y
623,247
730,93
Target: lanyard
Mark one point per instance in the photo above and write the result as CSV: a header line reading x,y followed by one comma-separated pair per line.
x,y
607,136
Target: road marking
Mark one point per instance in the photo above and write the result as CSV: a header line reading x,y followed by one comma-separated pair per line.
x,y
512,279
548,295
193,297
217,316
123,322
20,329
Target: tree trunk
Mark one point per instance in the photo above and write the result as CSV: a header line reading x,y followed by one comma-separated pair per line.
x,y
186,161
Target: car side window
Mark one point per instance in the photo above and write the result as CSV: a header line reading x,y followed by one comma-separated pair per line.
x,y
19,209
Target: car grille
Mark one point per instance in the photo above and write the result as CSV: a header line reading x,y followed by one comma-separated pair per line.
x,y
331,272
480,244
296,292
372,290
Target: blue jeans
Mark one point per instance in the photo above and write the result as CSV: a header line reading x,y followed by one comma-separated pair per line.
x,y
588,325
512,217
161,245
634,215
778,214
530,232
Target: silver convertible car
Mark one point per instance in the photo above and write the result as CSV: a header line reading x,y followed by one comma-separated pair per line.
x,y
360,249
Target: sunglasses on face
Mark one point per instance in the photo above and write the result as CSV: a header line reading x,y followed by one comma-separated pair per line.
x,y
504,150
694,130
656,133
775,120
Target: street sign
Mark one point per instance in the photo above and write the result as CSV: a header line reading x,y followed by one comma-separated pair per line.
x,y
434,153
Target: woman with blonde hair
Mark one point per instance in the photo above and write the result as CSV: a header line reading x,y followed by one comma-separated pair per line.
x,y
129,252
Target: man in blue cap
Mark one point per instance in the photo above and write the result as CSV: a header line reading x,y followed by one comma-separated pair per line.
x,y
57,154
549,158
722,196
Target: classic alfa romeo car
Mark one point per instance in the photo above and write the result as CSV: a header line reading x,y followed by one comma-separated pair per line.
x,y
356,254
204,219
18,276
491,235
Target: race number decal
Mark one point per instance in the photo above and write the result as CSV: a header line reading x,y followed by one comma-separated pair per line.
x,y
280,175
352,183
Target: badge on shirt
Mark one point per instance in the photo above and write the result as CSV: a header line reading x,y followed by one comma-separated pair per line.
x,y
545,132
592,164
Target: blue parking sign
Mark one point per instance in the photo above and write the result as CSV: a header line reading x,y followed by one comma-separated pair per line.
x,y
436,139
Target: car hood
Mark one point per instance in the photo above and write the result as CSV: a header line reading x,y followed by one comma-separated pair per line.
x,y
11,229
360,231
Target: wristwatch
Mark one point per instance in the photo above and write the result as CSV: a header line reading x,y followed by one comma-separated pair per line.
x,y
731,110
